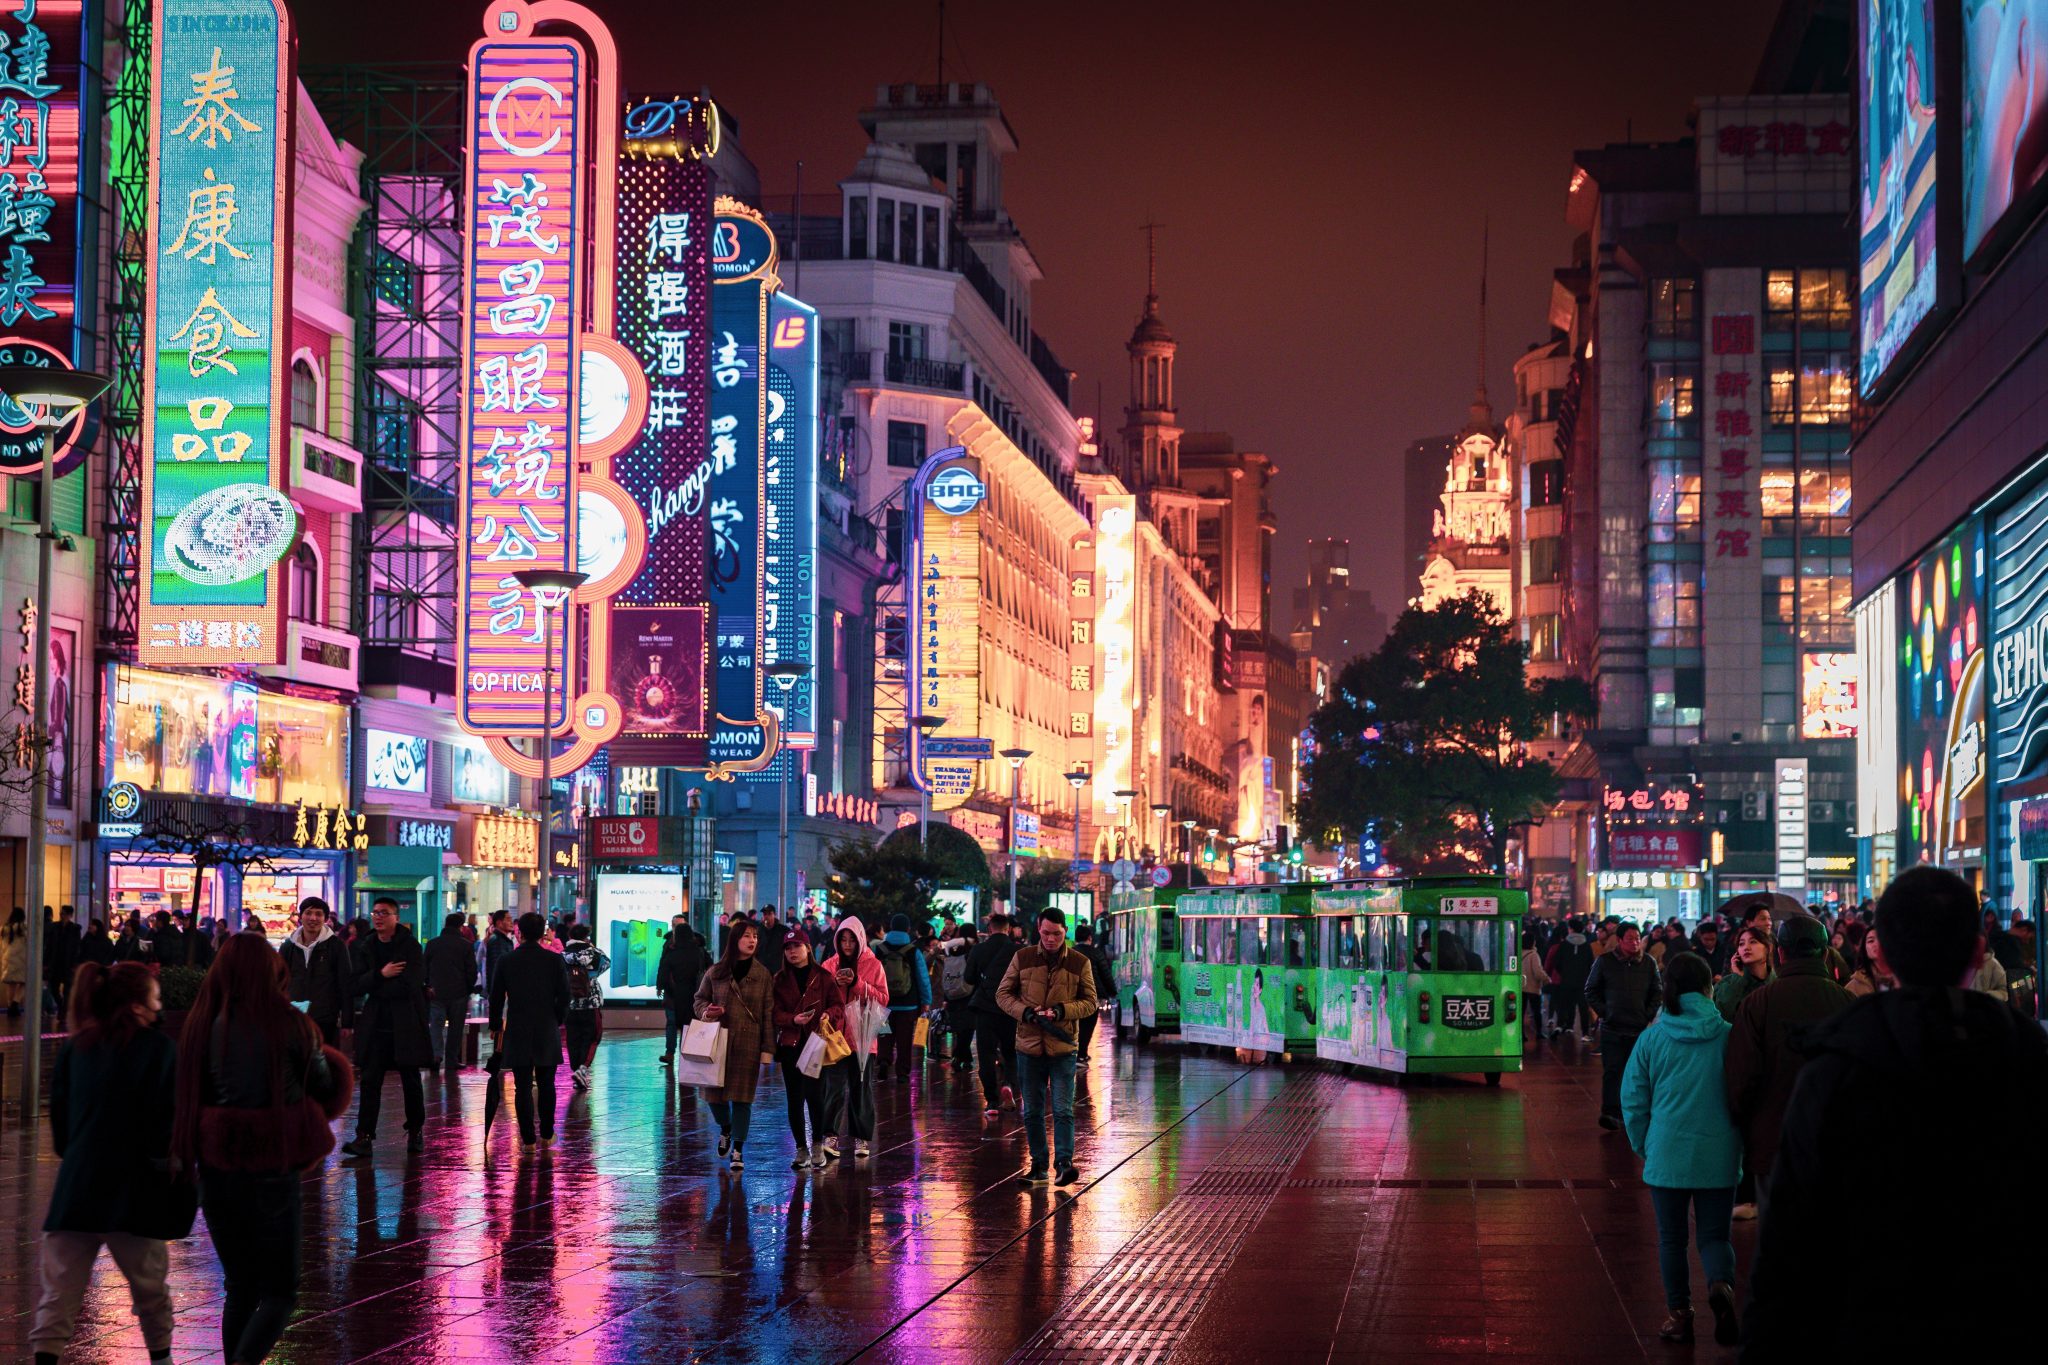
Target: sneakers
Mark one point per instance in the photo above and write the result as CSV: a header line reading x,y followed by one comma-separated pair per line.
x,y
547,1139
724,1144
860,1149
738,1162
818,1157
1677,1327
361,1146
668,1059
1727,1328
828,1150
803,1160
415,1142
1068,1175
1744,1212
1038,1175
1009,1098
580,1078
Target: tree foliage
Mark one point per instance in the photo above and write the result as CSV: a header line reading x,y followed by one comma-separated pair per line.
x,y
953,852
1425,740
876,881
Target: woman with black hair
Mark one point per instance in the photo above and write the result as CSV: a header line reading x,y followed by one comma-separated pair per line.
x,y
1673,1106
257,1094
738,993
112,1095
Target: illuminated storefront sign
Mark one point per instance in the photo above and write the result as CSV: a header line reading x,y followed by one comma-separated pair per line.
x,y
339,829
1115,618
1896,81
500,841
945,624
789,550
1942,748
40,224
660,631
2018,659
395,762
521,353
405,831
1653,847
838,806
743,275
1827,694
215,521
1789,785
1653,801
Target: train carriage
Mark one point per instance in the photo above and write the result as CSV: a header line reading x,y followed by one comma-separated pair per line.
x,y
1248,968
1143,939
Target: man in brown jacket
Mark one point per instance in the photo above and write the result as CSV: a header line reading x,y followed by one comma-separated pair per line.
x,y
1048,987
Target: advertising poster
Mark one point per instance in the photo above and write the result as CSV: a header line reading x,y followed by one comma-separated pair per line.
x,y
1896,83
2005,110
944,528
2018,658
634,910
658,674
63,665
215,521
397,763
478,779
1827,696
1942,759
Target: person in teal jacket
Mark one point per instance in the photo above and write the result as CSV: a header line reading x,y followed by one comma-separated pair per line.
x,y
1677,1119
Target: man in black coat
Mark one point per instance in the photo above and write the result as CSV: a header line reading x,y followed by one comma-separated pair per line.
x,y
529,1005
995,1031
1105,979
1623,993
61,952
391,1026
1880,1197
321,973
497,946
682,965
451,980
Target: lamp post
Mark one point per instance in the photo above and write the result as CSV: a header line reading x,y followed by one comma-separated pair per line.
x,y
1189,837
1016,757
1125,795
1077,779
1162,810
785,676
925,725
551,589
52,397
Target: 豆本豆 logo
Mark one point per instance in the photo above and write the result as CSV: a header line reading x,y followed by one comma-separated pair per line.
x,y
956,491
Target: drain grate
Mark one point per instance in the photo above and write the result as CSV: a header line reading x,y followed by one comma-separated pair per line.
x,y
1400,1183
1136,1309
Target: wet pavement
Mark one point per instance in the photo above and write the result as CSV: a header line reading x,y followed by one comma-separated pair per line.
x,y
1228,1214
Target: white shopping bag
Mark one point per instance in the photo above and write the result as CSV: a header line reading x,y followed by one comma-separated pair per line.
x,y
701,1039
811,1061
704,1070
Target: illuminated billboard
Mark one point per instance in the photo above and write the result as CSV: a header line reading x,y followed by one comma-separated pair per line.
x,y
522,318
944,529
1942,744
743,275
660,647
1896,82
789,548
1827,696
1116,527
215,520
2005,110
40,227
395,762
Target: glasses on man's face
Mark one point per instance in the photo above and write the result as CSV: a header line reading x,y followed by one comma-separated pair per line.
x,y
383,914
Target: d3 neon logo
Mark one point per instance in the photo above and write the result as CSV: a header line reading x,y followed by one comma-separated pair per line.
x,y
790,333
956,492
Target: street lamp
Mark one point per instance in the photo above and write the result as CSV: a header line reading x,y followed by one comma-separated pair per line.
x,y
785,676
926,724
1077,779
1124,795
1016,757
550,589
1189,838
1162,810
58,394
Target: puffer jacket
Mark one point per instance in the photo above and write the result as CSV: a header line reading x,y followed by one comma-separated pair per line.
x,y
1035,980
1672,1102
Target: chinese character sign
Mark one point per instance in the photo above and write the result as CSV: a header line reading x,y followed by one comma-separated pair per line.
x,y
743,275
524,271
39,221
660,620
214,519
789,531
944,550
1115,646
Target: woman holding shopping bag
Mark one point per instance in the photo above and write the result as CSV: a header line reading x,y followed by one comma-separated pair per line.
x,y
737,995
850,1083
808,1001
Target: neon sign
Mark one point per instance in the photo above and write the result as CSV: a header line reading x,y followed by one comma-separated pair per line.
x,y
1116,570
789,548
40,229
215,521
945,622
521,356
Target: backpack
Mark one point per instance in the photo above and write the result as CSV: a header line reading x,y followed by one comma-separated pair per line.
x,y
900,975
579,978
1574,964
953,977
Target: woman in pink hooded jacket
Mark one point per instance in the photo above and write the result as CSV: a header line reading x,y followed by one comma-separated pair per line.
x,y
850,1082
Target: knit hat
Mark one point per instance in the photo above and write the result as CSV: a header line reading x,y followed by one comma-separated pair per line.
x,y
1802,936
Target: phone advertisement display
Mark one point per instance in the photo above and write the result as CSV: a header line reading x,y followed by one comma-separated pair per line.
x,y
633,914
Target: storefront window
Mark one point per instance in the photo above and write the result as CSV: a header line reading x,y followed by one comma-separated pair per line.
x,y
301,751
200,736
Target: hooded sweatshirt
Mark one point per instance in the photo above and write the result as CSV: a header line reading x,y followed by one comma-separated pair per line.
x,y
321,975
1569,961
1673,1102
869,984
898,940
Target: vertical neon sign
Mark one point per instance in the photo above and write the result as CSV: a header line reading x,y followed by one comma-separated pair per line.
x,y
521,355
789,553
660,619
40,226
1116,572
214,519
943,526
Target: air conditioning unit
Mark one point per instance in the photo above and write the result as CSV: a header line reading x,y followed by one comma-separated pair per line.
x,y
1755,806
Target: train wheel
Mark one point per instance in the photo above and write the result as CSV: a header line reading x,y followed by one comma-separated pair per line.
x,y
1493,1080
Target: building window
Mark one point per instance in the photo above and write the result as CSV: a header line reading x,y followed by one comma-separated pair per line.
x,y
394,427
931,237
1826,384
1781,300
885,229
1674,395
1674,501
906,250
1546,639
1674,606
1824,300
305,396
1546,483
1674,309
303,586
839,641
1546,558
857,228
906,445
908,340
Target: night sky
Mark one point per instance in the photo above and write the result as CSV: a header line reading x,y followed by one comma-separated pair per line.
x,y
1321,172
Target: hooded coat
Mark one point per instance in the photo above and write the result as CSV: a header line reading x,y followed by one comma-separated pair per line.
x,y
1672,1102
1898,1092
870,985
322,976
898,941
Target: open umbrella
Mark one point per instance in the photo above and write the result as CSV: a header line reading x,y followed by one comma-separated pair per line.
x,y
494,1091
1739,906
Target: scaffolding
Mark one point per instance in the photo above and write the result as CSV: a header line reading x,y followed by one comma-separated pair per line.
x,y
406,295
127,293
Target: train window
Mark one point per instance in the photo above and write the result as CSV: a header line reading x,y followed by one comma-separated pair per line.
x,y
1397,944
1196,951
1168,943
1375,931
1250,931
1298,947
1346,954
1221,939
1276,942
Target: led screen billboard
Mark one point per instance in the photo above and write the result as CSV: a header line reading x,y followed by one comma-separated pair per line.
x,y
1897,177
1942,745
2005,109
944,529
789,548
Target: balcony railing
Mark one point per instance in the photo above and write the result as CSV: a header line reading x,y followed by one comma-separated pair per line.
x,y
946,375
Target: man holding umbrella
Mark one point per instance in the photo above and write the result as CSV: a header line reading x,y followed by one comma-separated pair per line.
x,y
532,987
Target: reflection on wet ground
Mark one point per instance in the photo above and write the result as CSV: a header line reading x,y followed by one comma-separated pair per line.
x,y
1228,1213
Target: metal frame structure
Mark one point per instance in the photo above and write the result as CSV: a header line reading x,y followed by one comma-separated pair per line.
x,y
127,105
406,292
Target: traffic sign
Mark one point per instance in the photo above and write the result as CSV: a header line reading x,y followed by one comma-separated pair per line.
x,y
1123,869
1083,865
1161,876
957,746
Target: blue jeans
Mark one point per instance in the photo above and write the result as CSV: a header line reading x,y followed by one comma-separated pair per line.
x,y
735,1118
1712,1210
1033,1075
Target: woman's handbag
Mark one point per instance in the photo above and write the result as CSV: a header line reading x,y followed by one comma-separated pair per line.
x,y
837,1049
705,1070
811,1061
701,1040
